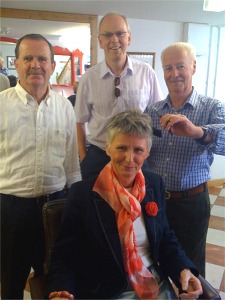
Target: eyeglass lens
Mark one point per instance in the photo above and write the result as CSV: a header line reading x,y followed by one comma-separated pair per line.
x,y
118,34
117,90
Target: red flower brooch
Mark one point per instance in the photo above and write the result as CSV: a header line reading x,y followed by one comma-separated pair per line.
x,y
151,209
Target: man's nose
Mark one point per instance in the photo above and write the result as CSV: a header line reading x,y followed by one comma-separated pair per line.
x,y
175,72
35,63
114,36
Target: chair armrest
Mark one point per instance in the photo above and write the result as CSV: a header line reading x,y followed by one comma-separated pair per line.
x,y
37,287
208,291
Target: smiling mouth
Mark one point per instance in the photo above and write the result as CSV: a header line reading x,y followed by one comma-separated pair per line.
x,y
176,81
115,48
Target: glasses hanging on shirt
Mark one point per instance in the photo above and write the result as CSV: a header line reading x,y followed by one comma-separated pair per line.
x,y
117,90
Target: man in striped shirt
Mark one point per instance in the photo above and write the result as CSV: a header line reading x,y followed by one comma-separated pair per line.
x,y
192,130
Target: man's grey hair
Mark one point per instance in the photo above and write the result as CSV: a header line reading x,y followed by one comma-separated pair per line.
x,y
131,122
189,48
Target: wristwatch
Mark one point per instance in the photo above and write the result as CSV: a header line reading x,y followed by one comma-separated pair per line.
x,y
201,140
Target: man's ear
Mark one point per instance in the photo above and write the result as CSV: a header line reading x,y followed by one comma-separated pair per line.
x,y
53,66
194,67
100,42
129,39
16,64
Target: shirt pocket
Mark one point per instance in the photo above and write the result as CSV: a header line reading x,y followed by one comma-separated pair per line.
x,y
59,142
134,99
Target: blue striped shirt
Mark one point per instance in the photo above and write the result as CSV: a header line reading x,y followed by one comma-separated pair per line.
x,y
181,161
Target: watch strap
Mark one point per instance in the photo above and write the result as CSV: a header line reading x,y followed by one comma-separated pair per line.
x,y
201,140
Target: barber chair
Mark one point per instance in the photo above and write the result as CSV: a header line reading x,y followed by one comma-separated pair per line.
x,y
52,212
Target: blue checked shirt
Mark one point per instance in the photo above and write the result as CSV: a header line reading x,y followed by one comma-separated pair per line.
x,y
181,161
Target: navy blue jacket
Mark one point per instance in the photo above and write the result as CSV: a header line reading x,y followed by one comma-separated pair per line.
x,y
87,260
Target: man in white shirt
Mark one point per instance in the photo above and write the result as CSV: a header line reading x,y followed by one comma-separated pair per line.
x,y
2,69
112,86
39,158
4,82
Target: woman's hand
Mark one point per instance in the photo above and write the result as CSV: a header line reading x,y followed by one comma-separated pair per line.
x,y
61,295
59,298
191,285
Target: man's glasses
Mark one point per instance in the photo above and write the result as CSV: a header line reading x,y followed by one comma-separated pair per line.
x,y
117,90
109,35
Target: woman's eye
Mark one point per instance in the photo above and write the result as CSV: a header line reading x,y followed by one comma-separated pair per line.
x,y
121,148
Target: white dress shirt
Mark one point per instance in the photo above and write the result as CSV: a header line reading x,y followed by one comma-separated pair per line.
x,y
38,144
96,102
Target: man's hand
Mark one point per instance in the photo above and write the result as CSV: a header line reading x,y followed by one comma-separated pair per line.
x,y
180,125
81,140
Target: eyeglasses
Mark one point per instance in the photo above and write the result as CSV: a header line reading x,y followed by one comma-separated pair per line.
x,y
109,35
117,90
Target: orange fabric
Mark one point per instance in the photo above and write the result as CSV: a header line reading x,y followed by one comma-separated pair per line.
x,y
127,208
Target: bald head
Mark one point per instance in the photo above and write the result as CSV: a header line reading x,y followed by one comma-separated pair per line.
x,y
1,62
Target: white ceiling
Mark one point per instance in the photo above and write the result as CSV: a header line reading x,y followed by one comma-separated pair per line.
x,y
163,10
169,10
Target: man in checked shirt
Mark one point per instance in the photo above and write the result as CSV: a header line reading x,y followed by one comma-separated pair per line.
x,y
192,131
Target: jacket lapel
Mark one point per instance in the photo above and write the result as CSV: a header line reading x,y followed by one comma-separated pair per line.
x,y
150,223
107,219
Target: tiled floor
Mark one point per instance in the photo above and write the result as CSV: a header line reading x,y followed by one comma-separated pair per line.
x,y
215,249
215,257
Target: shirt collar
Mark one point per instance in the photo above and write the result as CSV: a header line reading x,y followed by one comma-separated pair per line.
x,y
24,96
105,70
191,100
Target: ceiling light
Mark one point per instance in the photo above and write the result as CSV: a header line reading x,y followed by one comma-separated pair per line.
x,y
214,5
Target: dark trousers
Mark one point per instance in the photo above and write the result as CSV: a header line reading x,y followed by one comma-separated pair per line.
x,y
22,241
189,218
95,160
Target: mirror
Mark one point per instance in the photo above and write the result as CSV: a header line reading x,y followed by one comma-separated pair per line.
x,y
69,66
148,57
74,56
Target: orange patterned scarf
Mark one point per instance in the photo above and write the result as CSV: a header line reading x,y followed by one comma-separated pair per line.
x,y
127,208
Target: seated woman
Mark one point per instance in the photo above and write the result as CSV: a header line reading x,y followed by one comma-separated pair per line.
x,y
114,241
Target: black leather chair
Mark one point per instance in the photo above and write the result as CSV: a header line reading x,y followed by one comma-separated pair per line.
x,y
52,212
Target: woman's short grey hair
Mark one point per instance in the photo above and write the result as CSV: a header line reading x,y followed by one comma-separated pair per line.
x,y
131,122
189,48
